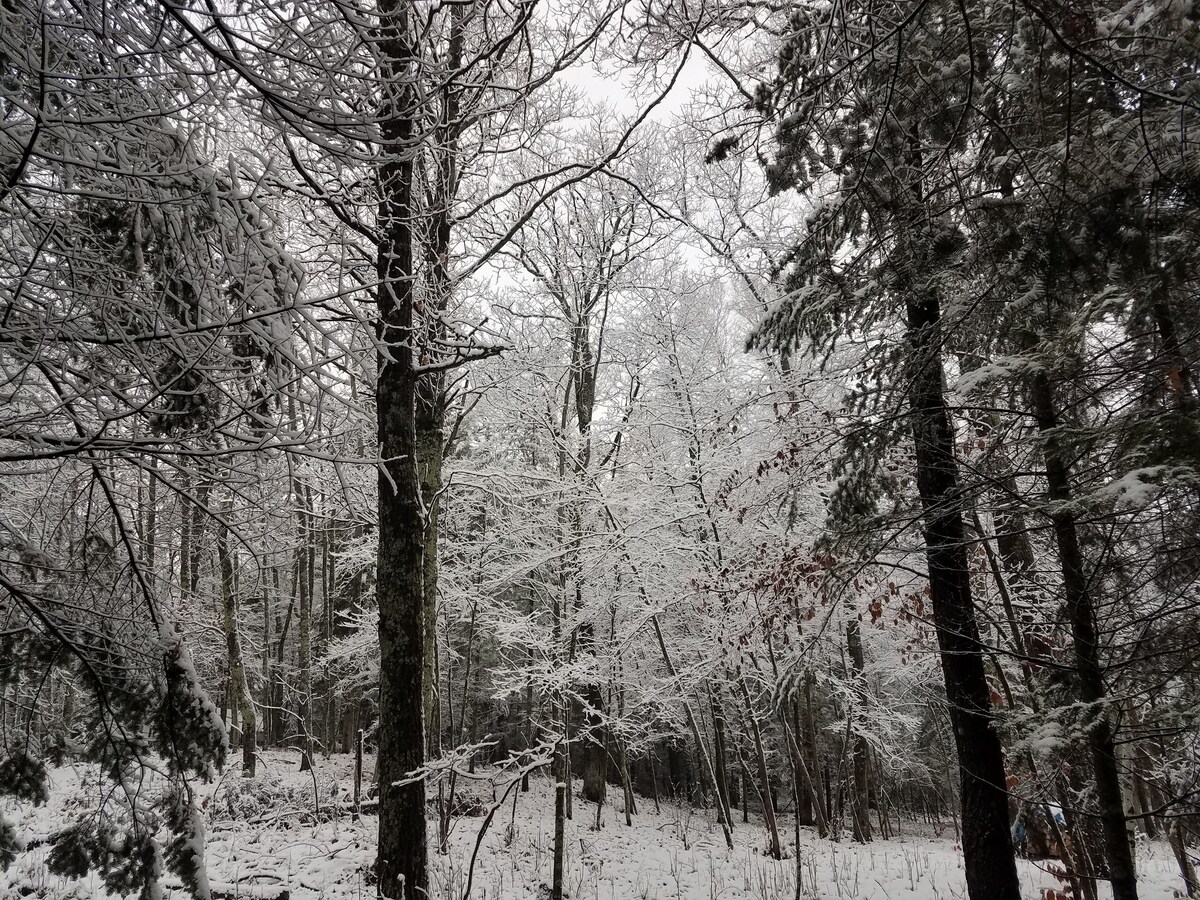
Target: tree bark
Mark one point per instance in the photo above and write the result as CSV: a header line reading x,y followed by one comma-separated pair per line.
x,y
760,757
720,764
431,388
860,808
1187,869
304,595
990,867
560,822
401,862
239,694
813,749
1097,729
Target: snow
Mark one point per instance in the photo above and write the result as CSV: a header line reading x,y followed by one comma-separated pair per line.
x,y
1135,489
677,854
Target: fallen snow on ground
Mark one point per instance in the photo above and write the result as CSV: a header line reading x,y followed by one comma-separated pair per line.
x,y
264,834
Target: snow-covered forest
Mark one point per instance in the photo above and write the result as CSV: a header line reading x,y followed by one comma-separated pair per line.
x,y
631,449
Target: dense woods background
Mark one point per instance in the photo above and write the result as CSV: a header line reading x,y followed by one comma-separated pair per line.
x,y
767,406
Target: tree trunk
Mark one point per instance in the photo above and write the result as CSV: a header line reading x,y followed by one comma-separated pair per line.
x,y
274,713
744,777
626,784
691,718
798,860
429,464
185,532
304,585
803,784
358,770
763,774
990,867
400,574
1143,787
151,528
1187,869
328,580
1097,730
562,757
860,807
584,381
560,821
814,757
431,388
594,739
239,694
720,764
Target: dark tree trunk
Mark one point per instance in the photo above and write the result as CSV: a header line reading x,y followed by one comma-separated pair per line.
x,y
304,586
626,784
560,823
794,731
1187,868
274,713
400,575
1144,787
744,777
720,764
1089,676
677,772
812,748
990,867
860,808
593,754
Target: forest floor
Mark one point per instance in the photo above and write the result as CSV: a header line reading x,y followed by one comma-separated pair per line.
x,y
263,836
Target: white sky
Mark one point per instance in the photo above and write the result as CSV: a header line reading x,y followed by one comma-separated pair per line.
x,y
620,92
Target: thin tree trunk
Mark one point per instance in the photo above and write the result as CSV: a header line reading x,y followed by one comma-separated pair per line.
x,y
627,785
814,766
562,758
1179,847
1142,785
185,533
529,659
239,693
198,506
803,782
860,807
798,860
326,636
763,774
692,724
560,823
431,390
151,536
654,782
719,757
358,771
744,776
304,586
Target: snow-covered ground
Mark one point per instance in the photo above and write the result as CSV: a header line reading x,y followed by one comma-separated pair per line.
x,y
263,834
